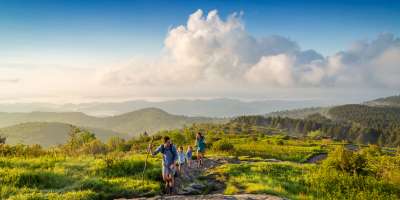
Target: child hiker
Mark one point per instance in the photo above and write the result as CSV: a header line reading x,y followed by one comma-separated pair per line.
x,y
189,154
181,159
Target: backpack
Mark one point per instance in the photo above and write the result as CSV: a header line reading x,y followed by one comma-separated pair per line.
x,y
201,143
163,149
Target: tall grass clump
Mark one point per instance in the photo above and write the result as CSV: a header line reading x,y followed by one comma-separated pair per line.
x,y
352,175
223,146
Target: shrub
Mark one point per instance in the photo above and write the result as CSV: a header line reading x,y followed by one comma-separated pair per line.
x,y
314,134
346,161
223,145
117,144
94,147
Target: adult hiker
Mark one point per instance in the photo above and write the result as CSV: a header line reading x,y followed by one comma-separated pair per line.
x,y
168,162
201,148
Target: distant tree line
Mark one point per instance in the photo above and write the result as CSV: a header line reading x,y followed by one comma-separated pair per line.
x,y
361,124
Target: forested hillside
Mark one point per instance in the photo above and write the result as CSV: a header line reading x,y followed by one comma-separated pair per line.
x,y
317,125
298,113
393,101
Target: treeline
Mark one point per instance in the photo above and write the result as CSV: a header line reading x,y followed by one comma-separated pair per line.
x,y
384,120
349,124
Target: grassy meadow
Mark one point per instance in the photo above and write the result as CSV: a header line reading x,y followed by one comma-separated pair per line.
x,y
83,177
86,168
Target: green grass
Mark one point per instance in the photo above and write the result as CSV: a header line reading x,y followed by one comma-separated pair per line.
x,y
370,173
275,147
83,177
367,174
282,179
301,181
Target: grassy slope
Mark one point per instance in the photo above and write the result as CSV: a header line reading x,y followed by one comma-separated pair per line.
x,y
73,178
47,133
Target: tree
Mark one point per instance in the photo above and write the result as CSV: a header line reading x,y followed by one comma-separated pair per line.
x,y
77,139
117,144
3,139
94,147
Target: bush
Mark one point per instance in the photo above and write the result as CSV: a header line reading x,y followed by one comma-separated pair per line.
x,y
94,147
346,161
223,145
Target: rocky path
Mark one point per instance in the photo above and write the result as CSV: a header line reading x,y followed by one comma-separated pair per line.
x,y
193,181
194,184
216,197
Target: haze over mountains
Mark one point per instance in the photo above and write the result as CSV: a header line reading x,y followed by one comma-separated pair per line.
x,y
50,133
131,123
50,128
210,108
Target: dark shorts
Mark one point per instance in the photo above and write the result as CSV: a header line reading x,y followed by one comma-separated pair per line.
x,y
167,171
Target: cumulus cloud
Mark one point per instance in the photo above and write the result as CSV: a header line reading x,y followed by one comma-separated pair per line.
x,y
208,49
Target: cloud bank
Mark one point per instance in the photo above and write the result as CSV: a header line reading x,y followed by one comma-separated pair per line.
x,y
212,57
210,50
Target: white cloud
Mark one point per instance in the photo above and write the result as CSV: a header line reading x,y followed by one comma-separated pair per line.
x,y
209,56
272,70
208,49
205,49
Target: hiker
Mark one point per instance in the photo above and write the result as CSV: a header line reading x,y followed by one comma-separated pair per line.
x,y
189,154
168,162
181,159
201,148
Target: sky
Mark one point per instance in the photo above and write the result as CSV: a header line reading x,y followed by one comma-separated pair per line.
x,y
73,51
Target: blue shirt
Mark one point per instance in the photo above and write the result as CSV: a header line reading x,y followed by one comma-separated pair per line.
x,y
170,155
189,154
181,157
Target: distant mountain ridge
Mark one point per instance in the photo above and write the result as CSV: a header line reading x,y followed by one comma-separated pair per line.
x,y
48,133
391,101
221,107
132,123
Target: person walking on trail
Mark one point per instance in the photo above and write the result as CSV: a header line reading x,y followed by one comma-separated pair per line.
x,y
181,159
201,148
189,154
168,162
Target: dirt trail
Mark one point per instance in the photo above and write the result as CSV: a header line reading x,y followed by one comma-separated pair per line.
x,y
194,184
216,197
317,158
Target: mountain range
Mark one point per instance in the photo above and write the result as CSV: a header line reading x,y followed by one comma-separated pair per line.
x,y
49,133
130,124
392,101
49,128
222,107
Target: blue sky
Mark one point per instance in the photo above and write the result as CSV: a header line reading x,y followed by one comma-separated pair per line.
x,y
127,28
77,37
